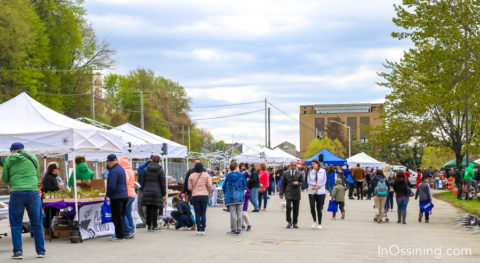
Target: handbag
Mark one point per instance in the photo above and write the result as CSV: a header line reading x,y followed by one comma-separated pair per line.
x,y
261,189
106,212
409,190
332,206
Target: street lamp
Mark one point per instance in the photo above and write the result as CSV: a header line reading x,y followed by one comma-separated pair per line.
x,y
349,137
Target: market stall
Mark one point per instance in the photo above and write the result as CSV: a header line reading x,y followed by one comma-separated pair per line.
x,y
365,161
328,158
46,132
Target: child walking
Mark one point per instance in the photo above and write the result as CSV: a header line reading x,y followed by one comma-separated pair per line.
x,y
246,220
423,191
338,195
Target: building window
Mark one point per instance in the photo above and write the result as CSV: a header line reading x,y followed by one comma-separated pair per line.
x,y
319,128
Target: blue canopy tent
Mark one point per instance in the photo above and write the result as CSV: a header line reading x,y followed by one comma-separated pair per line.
x,y
328,158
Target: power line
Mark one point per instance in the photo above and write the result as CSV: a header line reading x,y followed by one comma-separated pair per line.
x,y
63,95
293,118
228,116
227,105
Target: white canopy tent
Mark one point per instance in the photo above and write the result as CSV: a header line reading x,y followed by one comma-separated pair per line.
x,y
266,155
365,161
46,132
174,150
288,157
477,161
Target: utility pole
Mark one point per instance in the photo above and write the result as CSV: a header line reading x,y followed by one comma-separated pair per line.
x,y
269,133
92,94
142,124
467,141
266,128
183,134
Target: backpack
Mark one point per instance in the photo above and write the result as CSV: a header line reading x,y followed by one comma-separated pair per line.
x,y
381,189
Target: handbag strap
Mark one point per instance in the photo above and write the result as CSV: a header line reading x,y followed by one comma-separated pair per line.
x,y
195,185
29,158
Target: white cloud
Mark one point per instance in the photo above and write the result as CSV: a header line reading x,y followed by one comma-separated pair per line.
x,y
214,55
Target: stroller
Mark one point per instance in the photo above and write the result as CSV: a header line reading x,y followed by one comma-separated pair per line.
x,y
385,213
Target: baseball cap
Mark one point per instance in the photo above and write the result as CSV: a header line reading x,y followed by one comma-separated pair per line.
x,y
111,157
17,146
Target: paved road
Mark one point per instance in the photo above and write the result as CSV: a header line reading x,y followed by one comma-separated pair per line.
x,y
355,239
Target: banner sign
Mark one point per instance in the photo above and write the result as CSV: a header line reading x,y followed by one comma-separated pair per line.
x,y
90,217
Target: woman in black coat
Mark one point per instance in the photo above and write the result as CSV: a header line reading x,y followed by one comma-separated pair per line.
x,y
154,191
50,184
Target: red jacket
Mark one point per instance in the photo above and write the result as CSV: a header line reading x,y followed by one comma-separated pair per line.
x,y
264,179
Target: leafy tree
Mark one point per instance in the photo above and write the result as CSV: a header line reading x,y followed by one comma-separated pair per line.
x,y
317,145
434,85
336,131
436,157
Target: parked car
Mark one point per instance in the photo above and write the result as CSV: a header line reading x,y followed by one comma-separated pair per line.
x,y
413,174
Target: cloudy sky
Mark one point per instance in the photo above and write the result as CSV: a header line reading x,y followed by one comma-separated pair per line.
x,y
292,52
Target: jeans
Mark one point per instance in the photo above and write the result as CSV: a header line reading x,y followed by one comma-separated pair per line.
x,y
350,190
129,225
263,196
316,201
254,198
271,187
402,204
296,205
468,184
152,216
390,200
330,187
459,191
119,209
359,187
200,204
236,212
181,220
18,202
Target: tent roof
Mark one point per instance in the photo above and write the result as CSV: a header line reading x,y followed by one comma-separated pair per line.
x,y
175,150
328,158
453,164
45,131
257,155
364,160
288,156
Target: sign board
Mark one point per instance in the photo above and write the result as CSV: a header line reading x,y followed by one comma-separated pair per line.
x,y
90,217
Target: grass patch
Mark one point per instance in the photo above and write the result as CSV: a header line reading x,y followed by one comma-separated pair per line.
x,y
472,207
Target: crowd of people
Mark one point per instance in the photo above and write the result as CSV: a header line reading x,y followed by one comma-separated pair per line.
x,y
243,184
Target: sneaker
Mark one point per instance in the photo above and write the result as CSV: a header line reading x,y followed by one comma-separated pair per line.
x,y
255,211
226,210
233,232
17,255
41,255
130,236
314,225
333,217
199,233
289,225
249,227
295,226
426,221
202,233
343,215
155,228
114,238
142,225
420,218
319,227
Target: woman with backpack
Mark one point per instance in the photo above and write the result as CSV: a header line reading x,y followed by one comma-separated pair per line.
x,y
402,192
380,190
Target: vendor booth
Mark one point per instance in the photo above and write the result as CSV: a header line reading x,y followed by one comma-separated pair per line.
x,y
328,158
365,161
453,164
46,132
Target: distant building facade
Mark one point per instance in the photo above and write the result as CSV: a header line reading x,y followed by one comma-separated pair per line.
x,y
315,118
288,147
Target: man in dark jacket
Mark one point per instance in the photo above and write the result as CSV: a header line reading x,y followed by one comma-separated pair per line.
x,y
458,182
117,192
183,216
291,189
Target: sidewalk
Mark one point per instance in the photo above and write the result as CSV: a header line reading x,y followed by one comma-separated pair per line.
x,y
355,239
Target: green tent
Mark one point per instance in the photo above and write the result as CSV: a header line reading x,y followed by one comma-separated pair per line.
x,y
453,164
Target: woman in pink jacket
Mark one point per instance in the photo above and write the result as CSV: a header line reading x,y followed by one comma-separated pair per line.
x,y
264,179
200,184
129,225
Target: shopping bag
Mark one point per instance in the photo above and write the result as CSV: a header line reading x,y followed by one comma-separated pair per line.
x,y
106,212
332,206
426,206
350,179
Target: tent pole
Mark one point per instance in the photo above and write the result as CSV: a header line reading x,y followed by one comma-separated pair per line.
x,y
44,165
75,186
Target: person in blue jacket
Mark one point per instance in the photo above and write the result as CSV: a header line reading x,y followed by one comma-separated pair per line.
x,y
118,195
234,194
330,179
